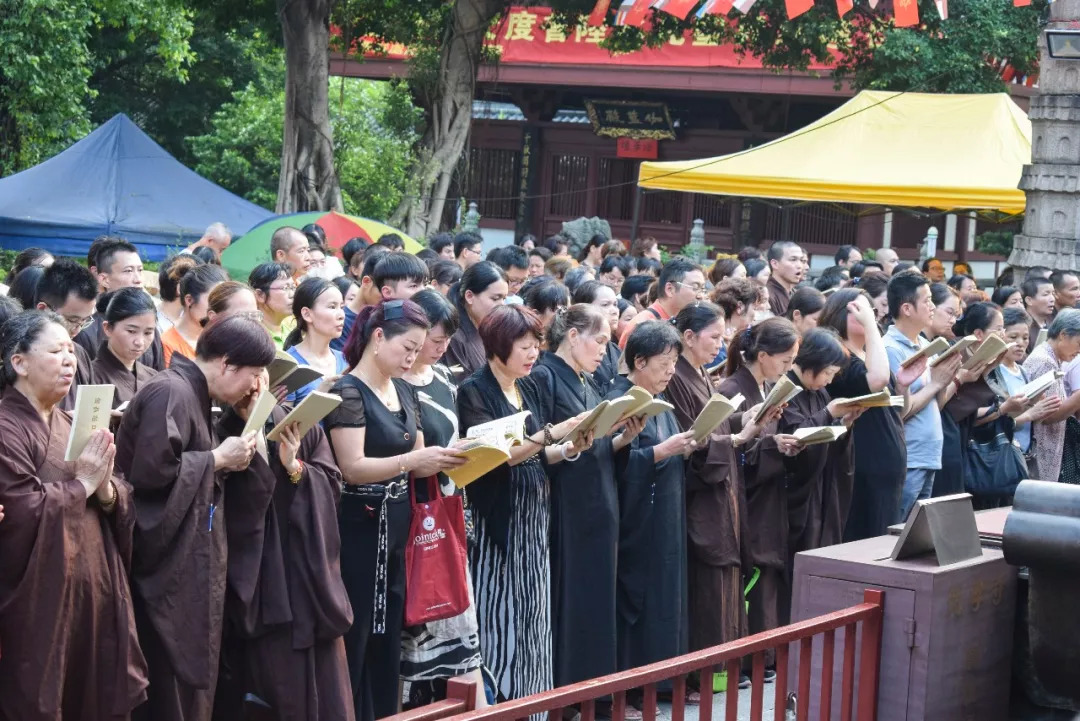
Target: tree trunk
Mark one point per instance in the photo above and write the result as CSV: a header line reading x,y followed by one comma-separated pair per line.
x,y
448,112
308,180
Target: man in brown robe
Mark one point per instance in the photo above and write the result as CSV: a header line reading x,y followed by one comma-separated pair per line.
x,y
70,650
69,290
786,272
287,608
165,448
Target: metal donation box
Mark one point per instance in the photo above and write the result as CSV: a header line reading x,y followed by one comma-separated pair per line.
x,y
948,627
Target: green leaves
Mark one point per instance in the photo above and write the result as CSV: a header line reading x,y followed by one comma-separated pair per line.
x,y
48,53
374,127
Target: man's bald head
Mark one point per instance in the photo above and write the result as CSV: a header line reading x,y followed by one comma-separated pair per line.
x,y
290,245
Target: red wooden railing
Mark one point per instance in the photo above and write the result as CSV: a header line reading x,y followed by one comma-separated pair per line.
x,y
728,656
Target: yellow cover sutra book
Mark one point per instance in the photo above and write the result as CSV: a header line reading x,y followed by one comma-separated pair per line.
x,y
285,370
307,413
990,349
262,410
716,411
637,402
935,347
1039,385
881,399
957,347
93,409
486,447
782,392
818,434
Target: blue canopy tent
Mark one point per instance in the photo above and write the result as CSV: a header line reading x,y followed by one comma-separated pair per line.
x,y
116,181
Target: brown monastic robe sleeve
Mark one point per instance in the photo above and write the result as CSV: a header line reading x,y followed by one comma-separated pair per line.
x,y
164,449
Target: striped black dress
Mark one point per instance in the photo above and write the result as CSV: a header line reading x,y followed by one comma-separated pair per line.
x,y
510,557
451,647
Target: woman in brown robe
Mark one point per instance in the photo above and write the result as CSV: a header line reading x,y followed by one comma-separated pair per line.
x,y
70,647
715,499
819,479
761,355
130,321
169,452
286,609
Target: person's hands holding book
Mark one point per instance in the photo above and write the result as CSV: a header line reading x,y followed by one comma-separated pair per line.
x,y
787,444
235,452
325,385
773,414
680,444
581,443
943,372
94,466
1049,405
631,427
851,416
1013,406
972,374
559,430
288,447
839,407
434,459
906,376
750,429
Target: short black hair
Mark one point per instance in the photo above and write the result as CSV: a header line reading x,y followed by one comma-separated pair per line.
x,y
1058,277
509,256
904,288
821,348
648,265
63,278
1031,285
649,339
439,241
446,272
805,300
674,272
843,253
1015,316
394,267
263,275
1002,292
108,251
372,256
118,305
393,241
616,262
541,252
831,277
429,256
439,311
351,248
544,293
576,276
1037,271
777,250
636,285
464,240
25,284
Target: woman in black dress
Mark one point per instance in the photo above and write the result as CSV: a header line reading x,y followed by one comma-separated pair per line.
x,y
510,557
482,289
880,455
585,504
436,651
376,436
651,599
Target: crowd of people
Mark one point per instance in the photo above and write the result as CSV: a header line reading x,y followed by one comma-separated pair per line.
x,y
181,569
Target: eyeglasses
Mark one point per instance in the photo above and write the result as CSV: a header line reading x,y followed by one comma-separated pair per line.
x,y
288,287
74,325
696,287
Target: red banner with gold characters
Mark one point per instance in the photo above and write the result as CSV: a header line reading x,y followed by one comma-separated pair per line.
x,y
524,37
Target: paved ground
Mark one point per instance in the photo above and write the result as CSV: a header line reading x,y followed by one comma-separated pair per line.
x,y
693,712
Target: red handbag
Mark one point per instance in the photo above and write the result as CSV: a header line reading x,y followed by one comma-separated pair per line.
x,y
435,583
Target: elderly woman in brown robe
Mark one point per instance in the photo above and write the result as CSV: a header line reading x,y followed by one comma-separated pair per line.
x,y
715,499
760,355
168,450
287,608
130,321
70,648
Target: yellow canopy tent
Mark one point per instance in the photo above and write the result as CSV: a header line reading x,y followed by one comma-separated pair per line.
x,y
948,152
